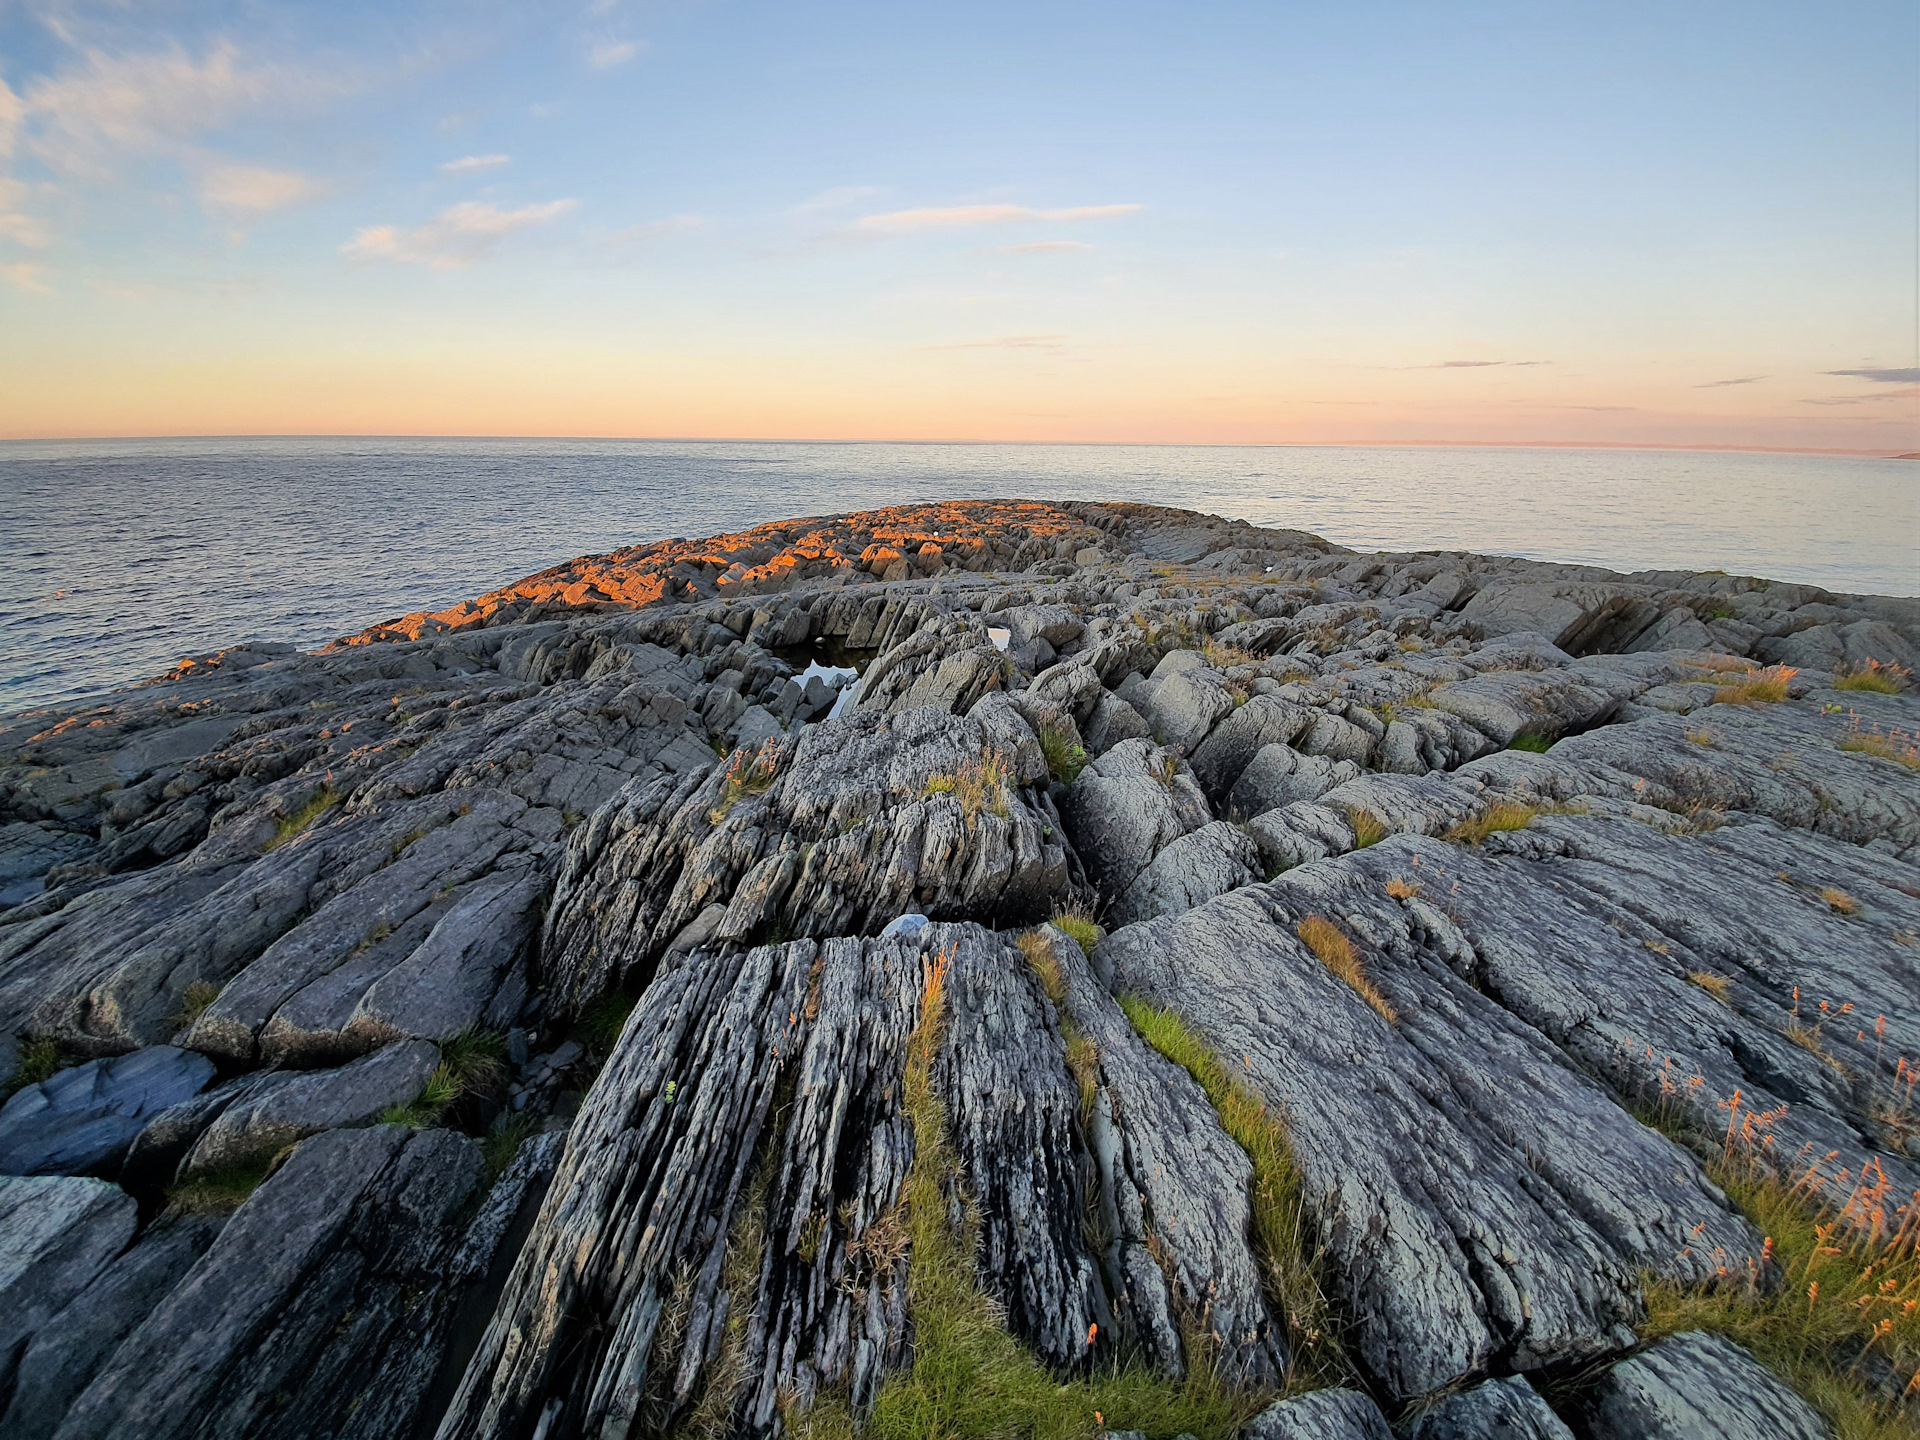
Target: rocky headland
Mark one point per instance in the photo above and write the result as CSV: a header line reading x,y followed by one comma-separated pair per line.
x,y
978,968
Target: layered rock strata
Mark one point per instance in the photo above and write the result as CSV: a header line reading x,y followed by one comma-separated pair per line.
x,y
498,1023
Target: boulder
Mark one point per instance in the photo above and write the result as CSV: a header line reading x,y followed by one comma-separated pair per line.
x,y
277,1116
1696,1384
1190,871
1279,775
57,1234
82,1120
1126,807
1321,1415
1505,1409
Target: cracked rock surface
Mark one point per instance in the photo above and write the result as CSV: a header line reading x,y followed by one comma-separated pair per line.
x,y
497,1023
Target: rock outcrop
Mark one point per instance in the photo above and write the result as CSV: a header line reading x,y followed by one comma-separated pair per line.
x,y
538,1018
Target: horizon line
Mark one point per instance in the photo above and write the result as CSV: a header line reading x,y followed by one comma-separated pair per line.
x,y
1878,453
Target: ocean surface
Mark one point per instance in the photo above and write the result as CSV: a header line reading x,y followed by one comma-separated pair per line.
x,y
117,558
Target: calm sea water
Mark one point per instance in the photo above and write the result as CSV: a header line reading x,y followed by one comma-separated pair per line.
x,y
119,557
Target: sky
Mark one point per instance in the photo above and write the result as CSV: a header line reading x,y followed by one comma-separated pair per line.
x,y
1673,223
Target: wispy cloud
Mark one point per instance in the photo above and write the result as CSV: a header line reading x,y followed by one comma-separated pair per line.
x,y
12,111
1738,380
454,239
1044,247
954,217
248,190
1005,342
471,164
25,275
16,223
606,54
1895,376
1876,398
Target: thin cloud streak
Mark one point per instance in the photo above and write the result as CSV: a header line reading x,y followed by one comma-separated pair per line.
x,y
1740,380
469,164
251,190
1897,376
454,239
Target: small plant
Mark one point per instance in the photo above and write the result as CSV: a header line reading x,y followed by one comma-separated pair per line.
x,y
979,785
1083,1056
222,1191
1227,657
1758,687
1720,987
1078,924
1840,902
1401,888
1166,769
1368,828
36,1063
1293,1273
1846,1292
1895,745
1503,815
600,1023
1875,678
1703,738
194,1001
749,773
1332,948
508,1133
1534,744
470,1064
291,825
1810,1037
1066,757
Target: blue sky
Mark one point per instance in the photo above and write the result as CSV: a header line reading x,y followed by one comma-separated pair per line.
x,y
1620,223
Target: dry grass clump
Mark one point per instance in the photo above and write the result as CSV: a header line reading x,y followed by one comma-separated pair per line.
x,y
1895,745
1227,657
1066,756
1292,1272
1848,1293
1368,828
979,785
1401,888
1333,949
1875,678
1703,738
1840,902
194,1001
323,800
1758,687
1503,815
970,1378
1809,1032
1720,987
222,1191
749,773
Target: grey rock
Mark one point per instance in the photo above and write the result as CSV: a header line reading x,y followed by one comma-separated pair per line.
x,y
301,1104
28,850
1126,807
1507,1409
1322,1415
1190,871
69,1349
57,1233
1579,617
1185,704
1113,720
82,1120
1222,758
1279,775
1694,1384
323,1308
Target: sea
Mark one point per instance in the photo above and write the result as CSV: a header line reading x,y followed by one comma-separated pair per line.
x,y
119,557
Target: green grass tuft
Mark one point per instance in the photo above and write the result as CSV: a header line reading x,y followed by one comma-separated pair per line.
x,y
299,820
1874,678
1066,757
600,1023
1533,744
220,1192
1280,1226
1368,828
37,1062
470,1064
1503,815
508,1133
1079,925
